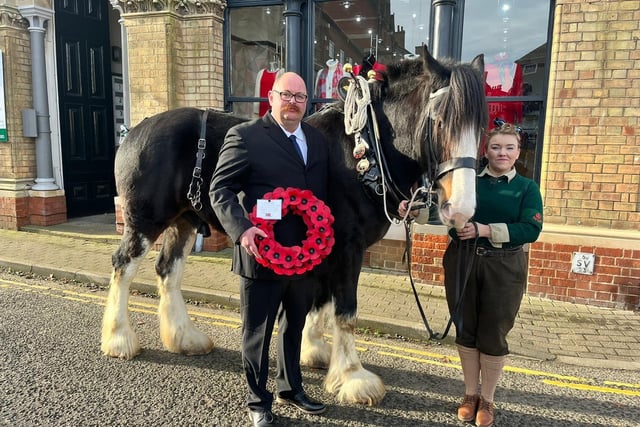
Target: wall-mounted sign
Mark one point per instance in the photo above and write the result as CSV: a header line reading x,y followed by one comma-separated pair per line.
x,y
3,113
583,263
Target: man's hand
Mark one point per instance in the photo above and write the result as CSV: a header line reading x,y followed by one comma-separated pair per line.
x,y
248,241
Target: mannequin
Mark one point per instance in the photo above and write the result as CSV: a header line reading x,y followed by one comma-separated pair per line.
x,y
328,78
264,82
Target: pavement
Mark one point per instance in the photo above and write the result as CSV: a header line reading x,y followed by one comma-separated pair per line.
x,y
576,334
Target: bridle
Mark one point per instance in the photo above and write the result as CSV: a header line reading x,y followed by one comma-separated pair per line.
x,y
373,165
436,169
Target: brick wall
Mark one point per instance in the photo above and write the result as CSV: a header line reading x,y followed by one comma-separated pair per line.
x,y
174,61
591,163
591,166
150,64
615,282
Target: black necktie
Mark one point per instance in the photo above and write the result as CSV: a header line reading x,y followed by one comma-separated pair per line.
x,y
292,138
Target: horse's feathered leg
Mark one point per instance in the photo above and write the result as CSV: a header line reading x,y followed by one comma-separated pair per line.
x,y
316,351
346,375
118,338
177,331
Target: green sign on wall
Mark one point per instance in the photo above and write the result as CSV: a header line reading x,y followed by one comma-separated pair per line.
x,y
3,113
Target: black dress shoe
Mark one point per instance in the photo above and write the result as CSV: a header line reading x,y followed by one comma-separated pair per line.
x,y
261,418
302,402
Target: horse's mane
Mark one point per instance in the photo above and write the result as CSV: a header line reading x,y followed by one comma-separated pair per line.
x,y
407,86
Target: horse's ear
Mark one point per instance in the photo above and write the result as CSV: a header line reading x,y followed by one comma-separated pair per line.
x,y
430,63
478,64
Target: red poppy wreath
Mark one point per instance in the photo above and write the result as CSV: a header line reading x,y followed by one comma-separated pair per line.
x,y
290,260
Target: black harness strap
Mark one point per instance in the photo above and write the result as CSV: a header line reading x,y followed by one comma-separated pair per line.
x,y
455,163
196,177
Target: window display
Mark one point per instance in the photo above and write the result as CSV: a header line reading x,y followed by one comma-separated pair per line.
x,y
257,37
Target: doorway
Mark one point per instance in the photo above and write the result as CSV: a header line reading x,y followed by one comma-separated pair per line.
x,y
86,105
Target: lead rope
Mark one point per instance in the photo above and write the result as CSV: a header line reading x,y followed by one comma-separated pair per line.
x,y
460,286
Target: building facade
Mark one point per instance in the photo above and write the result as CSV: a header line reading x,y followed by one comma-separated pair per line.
x,y
573,87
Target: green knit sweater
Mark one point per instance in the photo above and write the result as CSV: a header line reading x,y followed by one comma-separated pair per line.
x,y
516,203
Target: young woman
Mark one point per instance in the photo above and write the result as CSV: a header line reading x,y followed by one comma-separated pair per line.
x,y
508,215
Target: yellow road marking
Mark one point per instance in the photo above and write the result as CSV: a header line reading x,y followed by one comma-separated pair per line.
x,y
589,387
416,355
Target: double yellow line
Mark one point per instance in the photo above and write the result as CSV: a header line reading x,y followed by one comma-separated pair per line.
x,y
414,355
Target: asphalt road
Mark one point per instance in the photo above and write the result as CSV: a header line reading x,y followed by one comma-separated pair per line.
x,y
52,373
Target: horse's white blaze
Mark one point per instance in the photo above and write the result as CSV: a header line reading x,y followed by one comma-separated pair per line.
x,y
118,338
177,331
459,206
346,376
316,351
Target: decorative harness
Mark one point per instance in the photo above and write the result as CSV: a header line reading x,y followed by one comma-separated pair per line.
x,y
373,167
360,120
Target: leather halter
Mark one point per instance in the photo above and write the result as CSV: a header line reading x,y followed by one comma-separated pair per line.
x,y
378,178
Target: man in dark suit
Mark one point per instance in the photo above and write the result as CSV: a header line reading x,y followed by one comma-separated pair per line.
x,y
257,157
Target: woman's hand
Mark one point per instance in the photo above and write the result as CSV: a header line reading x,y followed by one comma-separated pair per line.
x,y
471,230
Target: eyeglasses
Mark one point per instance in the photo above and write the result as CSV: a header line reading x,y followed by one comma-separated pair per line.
x,y
286,96
498,123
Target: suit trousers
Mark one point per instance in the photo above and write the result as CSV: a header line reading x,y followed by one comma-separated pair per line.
x,y
262,302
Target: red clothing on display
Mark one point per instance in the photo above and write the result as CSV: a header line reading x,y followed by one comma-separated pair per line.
x,y
504,79
264,83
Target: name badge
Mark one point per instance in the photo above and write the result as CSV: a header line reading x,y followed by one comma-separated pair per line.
x,y
269,209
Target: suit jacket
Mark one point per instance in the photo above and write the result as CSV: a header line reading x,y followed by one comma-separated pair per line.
x,y
255,158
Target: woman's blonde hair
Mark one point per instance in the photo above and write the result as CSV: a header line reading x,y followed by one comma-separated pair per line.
x,y
504,128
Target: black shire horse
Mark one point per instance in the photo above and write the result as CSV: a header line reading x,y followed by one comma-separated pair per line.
x,y
428,119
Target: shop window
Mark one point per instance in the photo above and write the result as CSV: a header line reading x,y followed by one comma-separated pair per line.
x,y
256,55
513,37
366,34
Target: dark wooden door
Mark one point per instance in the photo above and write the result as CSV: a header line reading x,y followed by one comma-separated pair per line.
x,y
86,105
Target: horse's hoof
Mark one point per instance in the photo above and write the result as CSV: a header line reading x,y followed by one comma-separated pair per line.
x,y
361,386
121,349
191,343
206,348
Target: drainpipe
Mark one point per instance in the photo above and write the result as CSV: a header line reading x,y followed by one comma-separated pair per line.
x,y
125,63
37,17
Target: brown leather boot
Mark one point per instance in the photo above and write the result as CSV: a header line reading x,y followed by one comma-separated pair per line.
x,y
468,407
484,416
